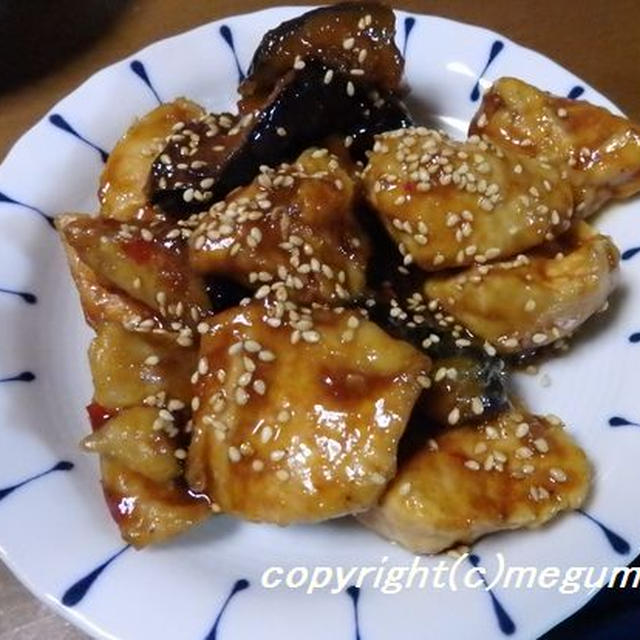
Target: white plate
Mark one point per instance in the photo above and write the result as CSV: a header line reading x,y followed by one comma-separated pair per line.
x,y
55,529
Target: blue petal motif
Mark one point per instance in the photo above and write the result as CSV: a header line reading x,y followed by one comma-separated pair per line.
x,y
63,465
496,48
24,376
354,593
618,421
77,591
629,253
575,92
240,585
58,121
29,298
139,69
617,542
634,337
506,624
409,23
9,200
227,36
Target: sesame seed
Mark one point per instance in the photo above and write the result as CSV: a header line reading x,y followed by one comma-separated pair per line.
x,y
282,475
541,445
404,489
558,475
266,434
477,406
328,76
257,465
530,305
152,360
252,346
350,89
283,416
266,356
539,338
472,464
277,454
523,452
454,416
241,396
348,43
181,454
299,63
522,430
377,478
259,387
281,131
234,454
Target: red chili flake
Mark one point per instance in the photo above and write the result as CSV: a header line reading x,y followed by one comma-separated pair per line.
x,y
139,251
98,415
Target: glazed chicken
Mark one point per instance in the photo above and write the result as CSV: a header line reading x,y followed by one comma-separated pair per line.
x,y
534,299
299,420
147,262
294,322
293,228
513,471
598,152
141,368
122,191
451,204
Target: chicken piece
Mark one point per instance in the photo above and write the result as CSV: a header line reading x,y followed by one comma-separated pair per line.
x,y
148,263
292,228
299,422
123,182
149,512
131,439
129,367
513,471
598,152
100,303
535,299
450,204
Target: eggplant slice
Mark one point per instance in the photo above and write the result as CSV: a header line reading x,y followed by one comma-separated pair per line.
x,y
209,157
355,38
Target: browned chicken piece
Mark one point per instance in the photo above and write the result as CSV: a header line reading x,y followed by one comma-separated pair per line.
x,y
129,368
451,204
148,263
599,152
514,471
292,228
131,439
123,182
149,512
100,303
299,420
534,299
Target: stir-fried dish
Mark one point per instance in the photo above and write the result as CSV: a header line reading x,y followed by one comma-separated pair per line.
x,y
310,307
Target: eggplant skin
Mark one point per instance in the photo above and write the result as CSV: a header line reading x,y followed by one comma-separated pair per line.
x,y
301,112
335,36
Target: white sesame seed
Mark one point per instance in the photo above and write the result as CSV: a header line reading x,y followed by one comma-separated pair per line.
x,y
472,464
152,360
541,445
454,416
348,43
234,454
282,475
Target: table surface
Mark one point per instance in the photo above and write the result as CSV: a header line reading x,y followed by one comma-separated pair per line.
x,y
600,42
